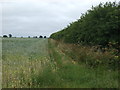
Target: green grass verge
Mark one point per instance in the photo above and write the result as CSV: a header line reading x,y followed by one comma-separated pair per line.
x,y
79,75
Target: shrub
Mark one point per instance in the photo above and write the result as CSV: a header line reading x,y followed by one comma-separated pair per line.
x,y
97,26
91,56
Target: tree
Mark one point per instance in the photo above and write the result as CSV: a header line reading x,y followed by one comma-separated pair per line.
x,y
5,36
45,37
40,36
35,37
98,26
10,35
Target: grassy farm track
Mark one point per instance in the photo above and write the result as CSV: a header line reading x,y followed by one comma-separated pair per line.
x,y
41,63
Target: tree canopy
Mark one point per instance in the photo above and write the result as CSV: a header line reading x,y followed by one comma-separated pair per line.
x,y
98,26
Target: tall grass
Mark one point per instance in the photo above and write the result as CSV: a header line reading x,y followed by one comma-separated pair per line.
x,y
92,55
43,63
22,60
74,73
0,62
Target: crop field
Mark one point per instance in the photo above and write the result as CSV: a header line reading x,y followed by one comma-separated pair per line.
x,y
44,63
0,63
22,59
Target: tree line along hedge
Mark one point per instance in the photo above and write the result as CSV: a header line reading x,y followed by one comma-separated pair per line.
x,y
98,26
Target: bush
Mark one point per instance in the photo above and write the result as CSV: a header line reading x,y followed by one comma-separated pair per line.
x,y
97,26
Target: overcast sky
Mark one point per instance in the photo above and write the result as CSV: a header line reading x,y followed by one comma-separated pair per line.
x,y
40,17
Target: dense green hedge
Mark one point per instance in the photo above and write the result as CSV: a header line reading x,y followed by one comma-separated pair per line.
x,y
97,26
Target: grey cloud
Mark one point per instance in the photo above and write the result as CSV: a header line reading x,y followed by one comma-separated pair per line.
x,y
23,18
